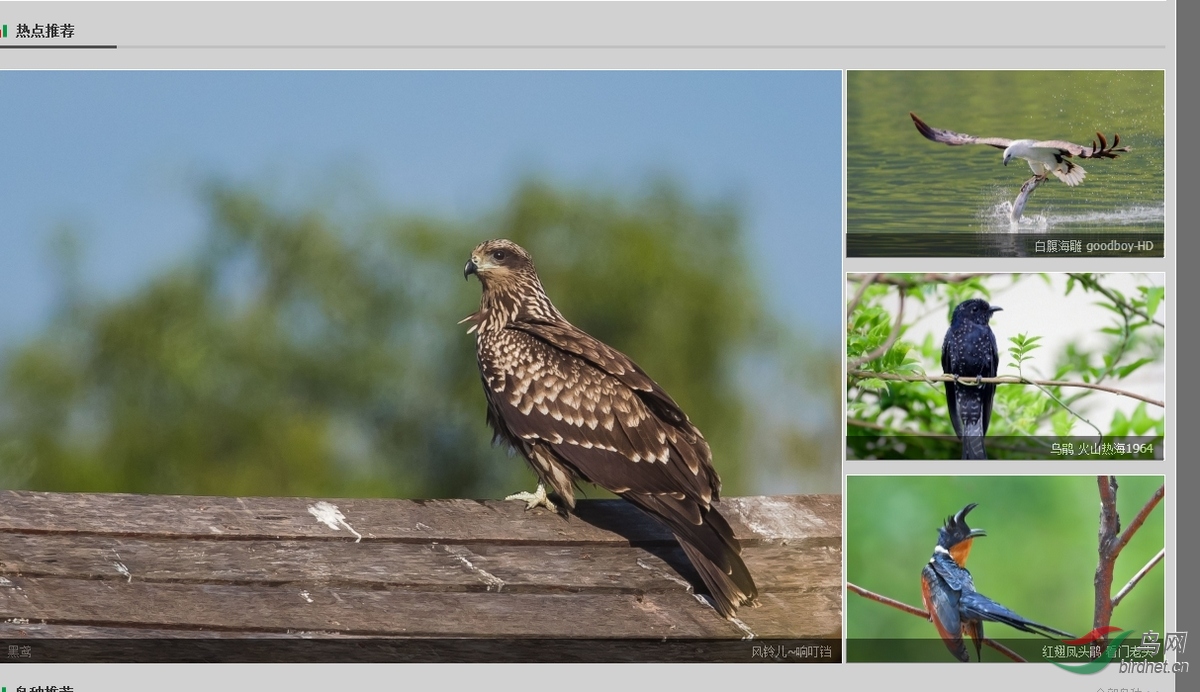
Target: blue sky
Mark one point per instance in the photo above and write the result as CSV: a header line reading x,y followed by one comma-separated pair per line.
x,y
118,157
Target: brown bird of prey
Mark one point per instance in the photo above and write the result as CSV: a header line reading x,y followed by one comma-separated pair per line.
x,y
579,410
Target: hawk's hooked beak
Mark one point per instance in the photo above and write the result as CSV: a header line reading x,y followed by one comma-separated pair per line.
x,y
470,269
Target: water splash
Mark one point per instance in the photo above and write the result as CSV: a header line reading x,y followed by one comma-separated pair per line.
x,y
996,218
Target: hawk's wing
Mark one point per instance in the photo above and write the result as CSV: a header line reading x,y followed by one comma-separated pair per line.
x,y
955,139
567,407
596,423
569,338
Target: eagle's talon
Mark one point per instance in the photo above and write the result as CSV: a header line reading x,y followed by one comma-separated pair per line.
x,y
538,498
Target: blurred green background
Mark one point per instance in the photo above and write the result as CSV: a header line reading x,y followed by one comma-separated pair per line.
x,y
303,352
1038,559
255,277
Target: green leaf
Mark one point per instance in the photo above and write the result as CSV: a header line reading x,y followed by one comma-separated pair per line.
x,y
1126,370
1154,296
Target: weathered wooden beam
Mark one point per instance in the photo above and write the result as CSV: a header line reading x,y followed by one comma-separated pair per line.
x,y
430,567
177,567
419,521
315,609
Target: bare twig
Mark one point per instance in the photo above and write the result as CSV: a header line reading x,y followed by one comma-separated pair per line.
x,y
924,615
858,295
1138,577
883,348
970,381
892,280
1088,282
1009,653
1066,407
1140,518
923,279
911,610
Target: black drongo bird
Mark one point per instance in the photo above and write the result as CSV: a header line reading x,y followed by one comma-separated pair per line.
x,y
950,597
970,351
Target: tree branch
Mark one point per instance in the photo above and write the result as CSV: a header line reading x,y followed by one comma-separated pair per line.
x,y
1140,518
1110,527
911,610
1138,577
883,348
924,615
1095,286
970,381
1066,407
892,280
1112,542
858,295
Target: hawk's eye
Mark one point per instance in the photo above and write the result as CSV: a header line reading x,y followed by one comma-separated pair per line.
x,y
498,255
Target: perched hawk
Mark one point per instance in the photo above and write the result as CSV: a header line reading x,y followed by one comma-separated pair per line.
x,y
580,410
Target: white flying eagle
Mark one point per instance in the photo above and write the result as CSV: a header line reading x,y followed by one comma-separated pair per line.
x,y
1044,157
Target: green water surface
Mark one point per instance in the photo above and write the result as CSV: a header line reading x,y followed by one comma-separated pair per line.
x,y
899,181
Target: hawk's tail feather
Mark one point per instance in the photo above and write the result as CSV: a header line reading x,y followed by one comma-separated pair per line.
x,y
709,543
727,594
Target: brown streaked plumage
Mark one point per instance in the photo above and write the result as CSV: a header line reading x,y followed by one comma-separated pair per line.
x,y
578,409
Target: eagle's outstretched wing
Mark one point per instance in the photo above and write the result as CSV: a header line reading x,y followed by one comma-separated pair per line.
x,y
1098,149
955,139
1095,150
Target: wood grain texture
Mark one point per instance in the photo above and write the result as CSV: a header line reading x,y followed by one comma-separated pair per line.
x,y
108,566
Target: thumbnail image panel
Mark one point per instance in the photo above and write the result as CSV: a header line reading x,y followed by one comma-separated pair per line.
x,y
1067,366
1005,163
1005,568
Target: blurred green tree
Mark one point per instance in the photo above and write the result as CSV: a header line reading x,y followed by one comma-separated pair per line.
x,y
296,355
